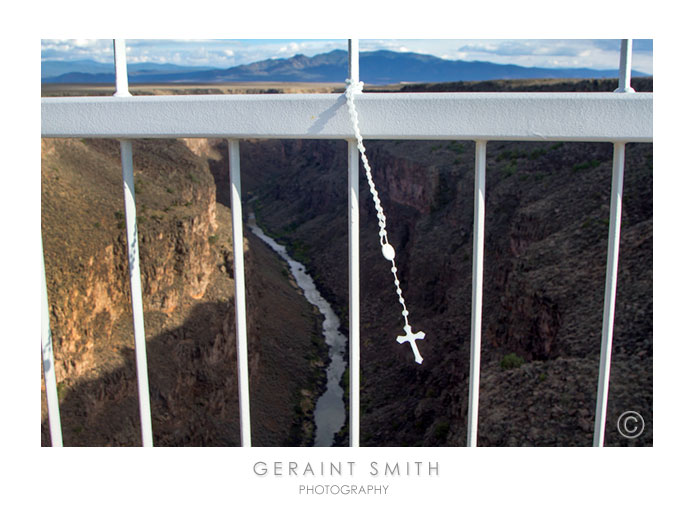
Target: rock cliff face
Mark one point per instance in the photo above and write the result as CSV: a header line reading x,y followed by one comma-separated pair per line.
x,y
547,214
176,256
407,182
187,269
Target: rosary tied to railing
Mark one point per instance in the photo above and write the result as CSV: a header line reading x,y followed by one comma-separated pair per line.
x,y
387,250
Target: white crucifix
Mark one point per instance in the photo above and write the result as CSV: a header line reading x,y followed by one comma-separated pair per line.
x,y
411,337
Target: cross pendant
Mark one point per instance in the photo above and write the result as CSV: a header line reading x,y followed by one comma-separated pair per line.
x,y
411,337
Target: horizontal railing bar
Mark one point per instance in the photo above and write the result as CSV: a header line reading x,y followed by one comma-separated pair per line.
x,y
549,116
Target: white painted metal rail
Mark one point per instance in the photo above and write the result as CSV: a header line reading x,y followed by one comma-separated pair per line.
x,y
48,363
133,255
618,118
490,116
239,281
354,290
477,284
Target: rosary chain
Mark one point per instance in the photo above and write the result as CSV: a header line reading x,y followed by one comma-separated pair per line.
x,y
351,90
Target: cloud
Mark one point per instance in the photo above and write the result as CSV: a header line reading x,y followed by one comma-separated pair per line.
x,y
608,44
526,47
598,54
100,50
592,53
291,48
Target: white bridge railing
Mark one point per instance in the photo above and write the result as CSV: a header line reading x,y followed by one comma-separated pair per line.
x,y
618,118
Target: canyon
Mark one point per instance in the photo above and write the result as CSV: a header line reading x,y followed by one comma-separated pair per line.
x,y
546,234
547,218
187,279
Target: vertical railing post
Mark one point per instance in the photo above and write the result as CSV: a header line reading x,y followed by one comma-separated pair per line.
x,y
133,256
136,291
52,401
354,317
121,68
239,280
477,287
610,292
624,67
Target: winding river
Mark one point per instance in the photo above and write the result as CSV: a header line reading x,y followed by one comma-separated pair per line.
x,y
330,413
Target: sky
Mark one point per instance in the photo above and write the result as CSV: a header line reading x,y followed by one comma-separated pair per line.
x,y
551,53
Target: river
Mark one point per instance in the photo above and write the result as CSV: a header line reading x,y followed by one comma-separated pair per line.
x,y
330,413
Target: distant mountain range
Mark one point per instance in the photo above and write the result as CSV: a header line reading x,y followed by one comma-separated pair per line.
x,y
376,67
56,68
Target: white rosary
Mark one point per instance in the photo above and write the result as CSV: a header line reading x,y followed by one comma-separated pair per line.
x,y
387,250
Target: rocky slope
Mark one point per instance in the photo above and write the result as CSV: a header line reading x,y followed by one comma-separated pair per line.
x,y
547,218
187,271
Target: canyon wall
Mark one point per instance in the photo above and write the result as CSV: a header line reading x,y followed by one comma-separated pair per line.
x,y
547,216
187,270
547,213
